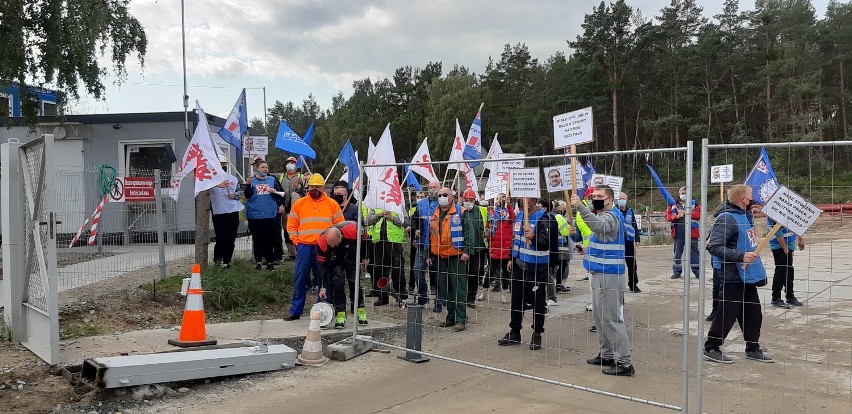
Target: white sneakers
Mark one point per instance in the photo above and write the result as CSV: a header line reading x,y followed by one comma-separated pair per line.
x,y
482,294
551,302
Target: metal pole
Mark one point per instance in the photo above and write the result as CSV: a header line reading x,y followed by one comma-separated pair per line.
x,y
702,262
158,199
187,135
687,276
358,246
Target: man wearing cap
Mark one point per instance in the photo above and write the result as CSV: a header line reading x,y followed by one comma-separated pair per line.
x,y
226,206
291,181
309,217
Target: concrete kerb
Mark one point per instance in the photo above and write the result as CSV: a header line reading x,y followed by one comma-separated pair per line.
x,y
276,331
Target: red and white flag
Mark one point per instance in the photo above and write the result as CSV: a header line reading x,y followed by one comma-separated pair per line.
x,y
421,163
383,189
493,153
457,152
202,157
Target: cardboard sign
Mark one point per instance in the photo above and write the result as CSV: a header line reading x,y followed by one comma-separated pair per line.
x,y
722,173
612,181
132,189
572,128
254,146
791,211
508,161
497,183
524,182
558,178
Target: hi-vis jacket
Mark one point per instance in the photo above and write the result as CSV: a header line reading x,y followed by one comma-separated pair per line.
x,y
446,232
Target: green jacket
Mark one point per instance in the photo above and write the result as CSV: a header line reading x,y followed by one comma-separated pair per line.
x,y
474,234
585,231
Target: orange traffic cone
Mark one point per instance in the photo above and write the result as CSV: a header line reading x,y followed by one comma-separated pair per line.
x,y
312,349
193,331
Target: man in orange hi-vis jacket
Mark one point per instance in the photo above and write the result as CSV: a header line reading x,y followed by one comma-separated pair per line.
x,y
308,218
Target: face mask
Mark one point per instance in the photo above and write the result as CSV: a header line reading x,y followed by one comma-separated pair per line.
x,y
419,198
598,205
749,205
683,197
443,201
621,203
339,198
291,167
315,194
260,175
468,205
433,194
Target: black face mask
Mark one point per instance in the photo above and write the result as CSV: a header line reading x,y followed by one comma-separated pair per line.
x,y
315,194
749,205
598,205
340,198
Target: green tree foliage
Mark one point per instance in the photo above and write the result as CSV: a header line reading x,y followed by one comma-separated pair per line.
x,y
56,44
776,73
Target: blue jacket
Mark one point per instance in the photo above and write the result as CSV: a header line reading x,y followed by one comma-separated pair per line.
x,y
731,236
260,202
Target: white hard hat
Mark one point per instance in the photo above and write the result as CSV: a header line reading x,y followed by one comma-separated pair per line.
x,y
223,159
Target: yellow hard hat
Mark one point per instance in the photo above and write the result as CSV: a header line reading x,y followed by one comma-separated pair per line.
x,y
316,179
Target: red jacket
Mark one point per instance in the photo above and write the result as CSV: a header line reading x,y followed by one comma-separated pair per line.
x,y
695,232
501,232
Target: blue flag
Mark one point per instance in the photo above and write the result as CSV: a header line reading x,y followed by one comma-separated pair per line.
x,y
236,126
762,179
301,161
669,199
473,147
290,141
411,180
350,160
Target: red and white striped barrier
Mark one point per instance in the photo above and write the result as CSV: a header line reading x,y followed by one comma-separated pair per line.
x,y
94,218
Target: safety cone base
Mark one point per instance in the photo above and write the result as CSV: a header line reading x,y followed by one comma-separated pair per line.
x,y
190,344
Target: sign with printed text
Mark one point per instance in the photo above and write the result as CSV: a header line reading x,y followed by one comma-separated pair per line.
x,y
254,146
572,128
722,173
558,178
508,161
497,183
612,181
791,211
524,182
132,189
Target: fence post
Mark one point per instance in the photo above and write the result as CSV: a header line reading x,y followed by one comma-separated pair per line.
x,y
702,290
13,237
687,261
158,201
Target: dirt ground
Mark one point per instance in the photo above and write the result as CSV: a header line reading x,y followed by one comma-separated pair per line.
x,y
812,346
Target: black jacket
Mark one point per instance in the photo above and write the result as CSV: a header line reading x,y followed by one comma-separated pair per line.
x,y
722,241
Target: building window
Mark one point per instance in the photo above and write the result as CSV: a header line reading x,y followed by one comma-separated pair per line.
x,y
48,108
5,104
142,159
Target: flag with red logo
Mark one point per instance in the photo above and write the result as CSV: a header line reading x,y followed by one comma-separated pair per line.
x,y
201,157
421,163
383,190
473,147
457,152
236,126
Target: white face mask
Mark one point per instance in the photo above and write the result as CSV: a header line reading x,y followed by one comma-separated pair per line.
x,y
468,205
443,201
683,197
291,167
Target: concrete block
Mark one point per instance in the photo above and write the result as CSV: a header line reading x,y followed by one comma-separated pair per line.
x,y
347,349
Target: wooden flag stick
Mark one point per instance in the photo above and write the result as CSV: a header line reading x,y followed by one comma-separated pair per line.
x,y
765,241
721,192
526,222
332,168
573,184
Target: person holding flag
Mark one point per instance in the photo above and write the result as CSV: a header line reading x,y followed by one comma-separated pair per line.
x,y
676,215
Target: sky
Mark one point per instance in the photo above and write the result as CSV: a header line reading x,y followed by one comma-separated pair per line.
x,y
296,47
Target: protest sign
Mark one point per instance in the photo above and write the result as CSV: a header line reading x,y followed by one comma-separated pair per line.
x,y
524,182
572,128
612,181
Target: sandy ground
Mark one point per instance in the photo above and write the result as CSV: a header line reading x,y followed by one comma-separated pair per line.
x,y
812,346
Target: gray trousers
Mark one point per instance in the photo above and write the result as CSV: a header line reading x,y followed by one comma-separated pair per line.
x,y
608,315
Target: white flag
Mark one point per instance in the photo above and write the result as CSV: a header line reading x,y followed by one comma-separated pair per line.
x,y
384,191
457,152
201,156
493,153
421,163
470,178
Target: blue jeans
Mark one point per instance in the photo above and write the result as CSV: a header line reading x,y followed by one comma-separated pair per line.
x,y
306,260
677,268
421,269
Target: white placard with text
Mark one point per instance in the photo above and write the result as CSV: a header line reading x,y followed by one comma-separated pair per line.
x,y
572,128
791,211
524,182
722,173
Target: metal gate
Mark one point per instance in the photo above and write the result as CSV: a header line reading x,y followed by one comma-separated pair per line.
x,y
29,246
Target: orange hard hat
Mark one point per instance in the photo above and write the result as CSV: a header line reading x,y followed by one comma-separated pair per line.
x,y
469,193
291,159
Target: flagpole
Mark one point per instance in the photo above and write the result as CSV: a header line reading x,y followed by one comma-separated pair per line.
x,y
183,53
573,184
332,168
481,176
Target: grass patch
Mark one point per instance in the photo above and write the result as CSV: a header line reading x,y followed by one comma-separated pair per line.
x,y
77,331
240,289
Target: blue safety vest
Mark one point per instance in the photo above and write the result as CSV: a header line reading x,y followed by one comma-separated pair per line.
x,y
789,237
261,204
520,249
746,241
425,209
629,231
606,257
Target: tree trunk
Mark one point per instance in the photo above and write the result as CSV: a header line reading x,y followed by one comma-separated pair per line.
x,y
202,226
734,94
843,102
768,94
614,118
